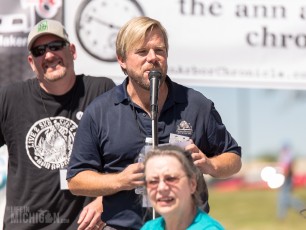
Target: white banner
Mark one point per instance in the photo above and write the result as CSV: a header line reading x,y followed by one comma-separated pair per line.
x,y
217,43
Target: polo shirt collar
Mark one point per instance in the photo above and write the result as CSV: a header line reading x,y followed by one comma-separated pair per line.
x,y
121,94
174,94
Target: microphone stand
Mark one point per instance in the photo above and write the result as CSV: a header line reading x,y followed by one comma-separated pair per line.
x,y
154,131
154,77
154,143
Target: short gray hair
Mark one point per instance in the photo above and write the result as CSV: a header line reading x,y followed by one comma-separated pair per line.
x,y
184,157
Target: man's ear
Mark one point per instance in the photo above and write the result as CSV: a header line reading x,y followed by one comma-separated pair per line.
x,y
31,62
121,62
73,51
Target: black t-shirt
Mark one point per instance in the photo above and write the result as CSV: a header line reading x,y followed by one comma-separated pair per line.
x,y
39,130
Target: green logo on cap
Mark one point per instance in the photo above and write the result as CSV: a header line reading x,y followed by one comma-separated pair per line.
x,y
42,26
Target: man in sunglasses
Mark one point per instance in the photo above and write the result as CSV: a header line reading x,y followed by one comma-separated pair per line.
x,y
38,121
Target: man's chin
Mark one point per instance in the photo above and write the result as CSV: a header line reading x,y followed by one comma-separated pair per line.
x,y
54,78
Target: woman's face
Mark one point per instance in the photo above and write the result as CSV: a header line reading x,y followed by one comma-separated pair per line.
x,y
169,189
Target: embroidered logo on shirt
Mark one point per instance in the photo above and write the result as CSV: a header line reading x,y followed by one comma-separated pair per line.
x,y
184,128
49,142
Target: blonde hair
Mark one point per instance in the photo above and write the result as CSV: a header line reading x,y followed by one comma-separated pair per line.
x,y
134,31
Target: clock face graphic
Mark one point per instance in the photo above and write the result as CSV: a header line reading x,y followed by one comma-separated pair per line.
x,y
98,22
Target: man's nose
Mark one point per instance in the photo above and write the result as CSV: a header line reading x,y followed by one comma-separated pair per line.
x,y
49,53
152,57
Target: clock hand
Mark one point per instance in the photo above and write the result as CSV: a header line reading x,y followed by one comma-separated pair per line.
x,y
104,23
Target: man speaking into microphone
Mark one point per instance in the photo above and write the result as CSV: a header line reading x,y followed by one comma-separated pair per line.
x,y
114,128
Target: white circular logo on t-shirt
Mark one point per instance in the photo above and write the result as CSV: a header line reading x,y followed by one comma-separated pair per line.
x,y
49,142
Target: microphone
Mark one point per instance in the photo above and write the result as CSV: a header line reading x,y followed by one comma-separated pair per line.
x,y
154,77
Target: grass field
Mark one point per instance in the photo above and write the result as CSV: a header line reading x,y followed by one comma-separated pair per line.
x,y
253,210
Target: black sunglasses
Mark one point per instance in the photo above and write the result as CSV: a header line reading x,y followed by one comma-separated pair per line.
x,y
53,46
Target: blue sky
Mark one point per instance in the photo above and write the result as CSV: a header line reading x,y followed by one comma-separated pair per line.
x,y
261,120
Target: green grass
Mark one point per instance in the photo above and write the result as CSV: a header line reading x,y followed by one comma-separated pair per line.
x,y
253,210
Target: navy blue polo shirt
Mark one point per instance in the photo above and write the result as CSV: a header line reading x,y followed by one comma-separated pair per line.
x,y
112,132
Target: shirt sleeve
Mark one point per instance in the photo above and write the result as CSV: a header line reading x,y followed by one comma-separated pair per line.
x,y
86,152
220,140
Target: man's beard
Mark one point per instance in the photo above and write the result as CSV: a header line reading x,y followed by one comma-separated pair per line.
x,y
53,77
141,81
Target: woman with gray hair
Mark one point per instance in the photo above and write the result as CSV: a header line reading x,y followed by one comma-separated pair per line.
x,y
173,184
